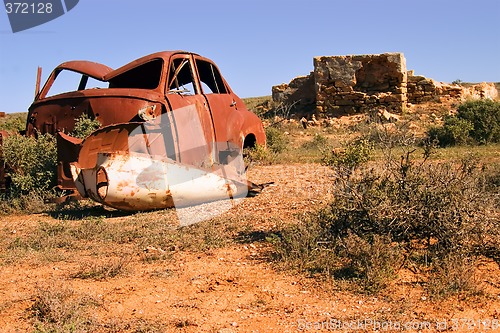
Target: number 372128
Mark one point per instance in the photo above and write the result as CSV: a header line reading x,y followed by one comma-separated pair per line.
x,y
28,8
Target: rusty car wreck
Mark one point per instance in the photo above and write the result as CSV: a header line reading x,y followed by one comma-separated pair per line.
x,y
171,132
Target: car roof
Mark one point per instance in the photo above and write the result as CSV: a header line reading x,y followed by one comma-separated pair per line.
x,y
165,55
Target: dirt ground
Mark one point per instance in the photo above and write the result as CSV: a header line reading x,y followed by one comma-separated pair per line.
x,y
233,288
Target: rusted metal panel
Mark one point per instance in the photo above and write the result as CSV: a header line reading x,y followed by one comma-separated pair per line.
x,y
140,182
165,55
88,68
56,114
3,179
162,164
38,80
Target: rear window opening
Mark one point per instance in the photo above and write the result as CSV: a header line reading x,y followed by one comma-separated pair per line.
x,y
145,76
210,78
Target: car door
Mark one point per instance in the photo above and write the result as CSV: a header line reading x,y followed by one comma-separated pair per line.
x,y
189,115
223,105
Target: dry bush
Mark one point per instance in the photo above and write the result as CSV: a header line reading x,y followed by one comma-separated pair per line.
x,y
309,247
374,261
442,204
303,247
319,143
141,325
32,203
383,213
59,309
102,271
46,240
454,274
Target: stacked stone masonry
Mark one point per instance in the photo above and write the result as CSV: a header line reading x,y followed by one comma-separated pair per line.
x,y
353,84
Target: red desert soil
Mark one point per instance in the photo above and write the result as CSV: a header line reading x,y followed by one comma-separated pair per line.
x,y
234,288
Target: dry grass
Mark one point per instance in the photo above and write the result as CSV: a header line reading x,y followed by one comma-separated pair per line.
x,y
62,239
102,271
58,310
455,274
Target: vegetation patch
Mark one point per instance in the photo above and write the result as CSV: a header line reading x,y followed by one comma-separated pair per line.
x,y
84,125
60,309
389,212
31,163
475,122
101,271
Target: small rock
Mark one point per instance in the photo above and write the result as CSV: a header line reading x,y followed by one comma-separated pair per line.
x,y
152,249
225,330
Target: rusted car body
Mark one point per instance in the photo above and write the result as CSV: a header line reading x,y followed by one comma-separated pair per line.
x,y
158,114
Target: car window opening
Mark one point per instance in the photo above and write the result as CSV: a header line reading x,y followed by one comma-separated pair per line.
x,y
67,81
181,78
210,78
145,76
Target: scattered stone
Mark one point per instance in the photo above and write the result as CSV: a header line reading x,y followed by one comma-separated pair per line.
x,y
385,116
304,122
225,330
153,250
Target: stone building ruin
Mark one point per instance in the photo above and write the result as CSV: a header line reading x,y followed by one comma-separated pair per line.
x,y
343,85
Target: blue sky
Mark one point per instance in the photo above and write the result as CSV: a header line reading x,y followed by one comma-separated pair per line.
x,y
257,43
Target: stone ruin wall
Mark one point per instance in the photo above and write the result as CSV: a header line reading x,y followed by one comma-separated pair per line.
x,y
300,91
341,85
356,84
422,89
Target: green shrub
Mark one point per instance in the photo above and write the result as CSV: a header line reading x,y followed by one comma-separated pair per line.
x,y
31,163
484,115
258,153
351,157
277,141
319,142
476,121
455,131
13,123
84,125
